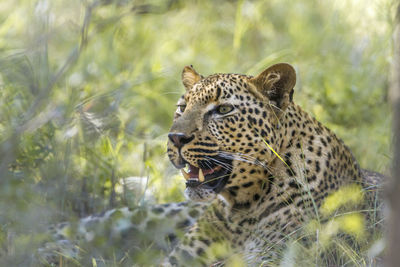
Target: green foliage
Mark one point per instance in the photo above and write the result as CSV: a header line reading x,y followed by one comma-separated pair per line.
x,y
88,92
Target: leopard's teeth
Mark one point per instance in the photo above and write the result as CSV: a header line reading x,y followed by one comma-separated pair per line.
x,y
185,174
201,175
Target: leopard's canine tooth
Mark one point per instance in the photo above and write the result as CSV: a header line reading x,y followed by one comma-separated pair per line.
x,y
185,174
201,175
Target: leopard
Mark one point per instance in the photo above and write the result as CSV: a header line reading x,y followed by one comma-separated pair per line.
x,y
256,166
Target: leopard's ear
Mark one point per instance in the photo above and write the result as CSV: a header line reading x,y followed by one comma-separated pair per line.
x,y
276,83
190,77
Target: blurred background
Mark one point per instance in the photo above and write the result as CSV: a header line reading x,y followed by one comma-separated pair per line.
x,y
88,92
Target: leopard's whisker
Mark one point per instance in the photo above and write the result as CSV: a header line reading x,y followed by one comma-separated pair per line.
x,y
220,163
242,157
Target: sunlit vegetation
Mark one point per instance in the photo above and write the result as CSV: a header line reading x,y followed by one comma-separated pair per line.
x,y
88,91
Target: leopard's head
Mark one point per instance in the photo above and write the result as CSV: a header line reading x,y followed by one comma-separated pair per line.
x,y
224,128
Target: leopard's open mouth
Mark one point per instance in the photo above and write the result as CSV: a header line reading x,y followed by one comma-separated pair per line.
x,y
208,175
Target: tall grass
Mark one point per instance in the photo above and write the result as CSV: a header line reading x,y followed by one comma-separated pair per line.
x,y
88,91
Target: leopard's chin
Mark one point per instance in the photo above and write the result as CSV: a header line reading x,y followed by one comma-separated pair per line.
x,y
199,194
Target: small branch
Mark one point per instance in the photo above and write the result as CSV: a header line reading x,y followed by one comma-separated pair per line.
x,y
393,192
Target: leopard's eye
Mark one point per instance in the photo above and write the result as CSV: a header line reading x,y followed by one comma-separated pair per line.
x,y
224,109
181,108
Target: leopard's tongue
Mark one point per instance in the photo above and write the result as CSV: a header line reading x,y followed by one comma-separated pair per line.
x,y
196,174
194,171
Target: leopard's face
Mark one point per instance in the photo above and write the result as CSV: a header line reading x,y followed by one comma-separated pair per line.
x,y
220,133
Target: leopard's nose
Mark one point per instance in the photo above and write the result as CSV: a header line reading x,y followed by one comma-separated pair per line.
x,y
180,139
